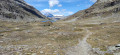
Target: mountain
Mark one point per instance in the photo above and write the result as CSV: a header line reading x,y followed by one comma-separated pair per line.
x,y
59,17
102,8
49,15
54,17
18,10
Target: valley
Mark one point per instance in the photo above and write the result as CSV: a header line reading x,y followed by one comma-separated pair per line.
x,y
36,39
26,31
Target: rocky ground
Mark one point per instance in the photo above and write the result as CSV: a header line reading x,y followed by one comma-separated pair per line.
x,y
83,48
59,38
37,39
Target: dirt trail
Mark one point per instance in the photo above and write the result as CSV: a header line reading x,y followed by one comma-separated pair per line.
x,y
83,48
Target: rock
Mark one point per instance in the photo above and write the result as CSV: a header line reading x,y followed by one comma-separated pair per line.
x,y
111,48
39,46
48,23
117,53
28,31
1,41
55,51
17,28
34,54
9,11
41,52
118,45
49,44
102,23
1,35
100,8
52,39
27,53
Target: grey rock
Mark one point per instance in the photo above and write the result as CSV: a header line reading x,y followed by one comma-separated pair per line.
x,y
117,53
118,45
18,10
1,35
41,52
100,8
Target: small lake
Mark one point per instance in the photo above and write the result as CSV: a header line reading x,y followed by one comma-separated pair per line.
x,y
49,20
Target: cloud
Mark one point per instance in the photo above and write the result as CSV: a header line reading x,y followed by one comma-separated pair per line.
x,y
78,5
60,5
70,12
50,11
57,11
93,0
53,3
69,1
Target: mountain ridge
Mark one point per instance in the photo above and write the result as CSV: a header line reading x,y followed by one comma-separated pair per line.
x,y
9,11
101,7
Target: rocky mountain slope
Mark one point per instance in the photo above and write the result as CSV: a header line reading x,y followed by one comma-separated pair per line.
x,y
18,10
102,8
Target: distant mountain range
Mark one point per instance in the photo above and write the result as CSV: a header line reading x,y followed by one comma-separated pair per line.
x,y
54,17
18,10
49,15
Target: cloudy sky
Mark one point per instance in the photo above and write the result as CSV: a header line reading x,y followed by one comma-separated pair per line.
x,y
60,7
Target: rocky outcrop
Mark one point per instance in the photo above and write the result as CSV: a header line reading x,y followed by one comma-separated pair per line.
x,y
100,8
18,10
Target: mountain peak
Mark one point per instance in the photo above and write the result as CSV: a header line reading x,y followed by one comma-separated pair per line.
x,y
48,15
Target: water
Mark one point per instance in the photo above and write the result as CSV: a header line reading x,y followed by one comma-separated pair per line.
x,y
49,20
